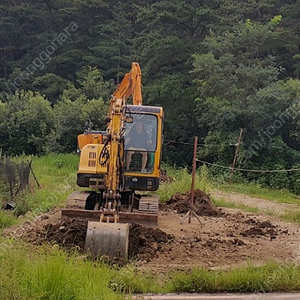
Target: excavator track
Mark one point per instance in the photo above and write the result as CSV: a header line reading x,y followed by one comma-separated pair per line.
x,y
77,199
149,204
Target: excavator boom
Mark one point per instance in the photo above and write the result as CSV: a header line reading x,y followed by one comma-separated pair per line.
x,y
131,85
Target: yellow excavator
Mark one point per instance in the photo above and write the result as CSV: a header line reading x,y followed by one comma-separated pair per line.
x,y
119,166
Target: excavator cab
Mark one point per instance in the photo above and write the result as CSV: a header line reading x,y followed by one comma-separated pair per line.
x,y
140,146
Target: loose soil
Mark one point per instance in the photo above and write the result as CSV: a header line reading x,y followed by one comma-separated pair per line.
x,y
219,238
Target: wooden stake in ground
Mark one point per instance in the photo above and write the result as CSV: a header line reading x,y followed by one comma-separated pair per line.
x,y
235,156
191,210
30,167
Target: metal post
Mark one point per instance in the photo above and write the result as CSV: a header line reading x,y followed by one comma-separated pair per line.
x,y
30,167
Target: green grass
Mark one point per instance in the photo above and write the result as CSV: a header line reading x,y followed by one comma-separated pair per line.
x,y
57,176
30,272
271,277
49,273
291,216
229,204
182,180
7,219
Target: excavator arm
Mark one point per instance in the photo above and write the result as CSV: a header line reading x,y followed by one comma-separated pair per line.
x,y
131,85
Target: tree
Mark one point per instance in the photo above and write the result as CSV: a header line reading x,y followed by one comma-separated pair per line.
x,y
50,85
27,123
92,83
233,79
77,105
70,117
115,42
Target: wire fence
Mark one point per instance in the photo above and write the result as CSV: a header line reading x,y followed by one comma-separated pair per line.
x,y
167,142
14,177
248,170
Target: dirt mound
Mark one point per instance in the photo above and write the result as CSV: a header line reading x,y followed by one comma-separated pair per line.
x,y
68,234
145,243
265,228
203,206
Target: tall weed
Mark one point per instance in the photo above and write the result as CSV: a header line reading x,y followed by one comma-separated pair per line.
x,y
50,274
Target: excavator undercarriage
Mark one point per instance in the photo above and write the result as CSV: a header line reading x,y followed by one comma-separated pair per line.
x,y
145,214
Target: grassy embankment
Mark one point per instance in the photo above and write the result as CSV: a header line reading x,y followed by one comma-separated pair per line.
x,y
45,272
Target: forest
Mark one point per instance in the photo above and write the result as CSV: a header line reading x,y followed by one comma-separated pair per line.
x,y
215,66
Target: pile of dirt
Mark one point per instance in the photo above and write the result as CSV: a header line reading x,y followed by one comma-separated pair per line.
x,y
253,227
265,228
145,243
68,234
202,205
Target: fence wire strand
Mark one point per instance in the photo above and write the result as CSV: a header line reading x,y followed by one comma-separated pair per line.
x,y
249,170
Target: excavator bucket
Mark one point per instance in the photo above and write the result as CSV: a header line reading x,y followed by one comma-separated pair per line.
x,y
109,239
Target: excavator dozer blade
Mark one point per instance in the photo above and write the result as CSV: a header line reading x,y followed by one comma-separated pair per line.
x,y
149,220
109,239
